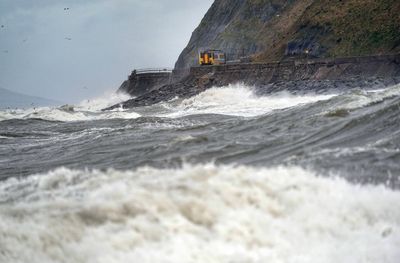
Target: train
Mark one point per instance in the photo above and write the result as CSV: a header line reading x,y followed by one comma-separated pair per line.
x,y
212,57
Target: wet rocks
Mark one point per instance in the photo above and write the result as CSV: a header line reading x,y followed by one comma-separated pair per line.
x,y
297,76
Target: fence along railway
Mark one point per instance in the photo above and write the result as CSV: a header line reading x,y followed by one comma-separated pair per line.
x,y
142,81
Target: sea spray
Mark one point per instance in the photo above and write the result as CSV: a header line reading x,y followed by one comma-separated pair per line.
x,y
86,110
106,100
240,100
201,213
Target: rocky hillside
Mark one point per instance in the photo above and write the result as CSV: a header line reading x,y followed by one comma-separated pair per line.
x,y
279,29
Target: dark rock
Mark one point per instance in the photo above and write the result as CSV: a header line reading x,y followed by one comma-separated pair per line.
x,y
297,76
138,83
305,48
233,26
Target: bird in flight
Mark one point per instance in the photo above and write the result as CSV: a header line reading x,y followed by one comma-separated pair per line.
x,y
68,38
66,8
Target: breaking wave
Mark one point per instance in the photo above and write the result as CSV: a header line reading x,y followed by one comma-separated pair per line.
x,y
234,100
71,114
102,102
85,111
202,213
361,98
240,100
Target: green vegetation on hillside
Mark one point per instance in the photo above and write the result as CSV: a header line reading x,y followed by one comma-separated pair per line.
x,y
355,27
344,28
277,29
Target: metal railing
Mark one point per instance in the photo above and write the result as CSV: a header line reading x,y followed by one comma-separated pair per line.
x,y
153,70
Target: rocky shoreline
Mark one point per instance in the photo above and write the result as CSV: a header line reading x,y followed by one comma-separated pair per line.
x,y
296,76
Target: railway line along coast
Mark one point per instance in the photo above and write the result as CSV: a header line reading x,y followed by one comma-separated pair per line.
x,y
291,45
297,75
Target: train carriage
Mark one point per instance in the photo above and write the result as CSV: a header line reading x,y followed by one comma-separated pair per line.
x,y
212,57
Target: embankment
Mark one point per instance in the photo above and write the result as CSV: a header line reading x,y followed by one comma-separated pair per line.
x,y
385,67
144,81
317,75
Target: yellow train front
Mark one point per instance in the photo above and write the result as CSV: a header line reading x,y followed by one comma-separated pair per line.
x,y
212,57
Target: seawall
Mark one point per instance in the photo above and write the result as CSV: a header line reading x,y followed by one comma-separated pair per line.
x,y
314,75
143,81
387,66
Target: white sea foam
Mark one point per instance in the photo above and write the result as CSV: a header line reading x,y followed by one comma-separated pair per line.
x,y
202,213
85,111
240,100
358,99
106,100
235,100
58,114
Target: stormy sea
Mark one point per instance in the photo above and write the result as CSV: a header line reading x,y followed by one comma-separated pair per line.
x,y
226,176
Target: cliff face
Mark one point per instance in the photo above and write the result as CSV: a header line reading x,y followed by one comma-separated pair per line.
x,y
231,25
278,29
337,28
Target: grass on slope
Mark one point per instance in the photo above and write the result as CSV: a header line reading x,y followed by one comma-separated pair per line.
x,y
357,27
341,27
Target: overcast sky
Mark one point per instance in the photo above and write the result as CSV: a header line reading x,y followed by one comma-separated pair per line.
x,y
74,54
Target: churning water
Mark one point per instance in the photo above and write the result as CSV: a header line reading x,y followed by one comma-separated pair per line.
x,y
225,176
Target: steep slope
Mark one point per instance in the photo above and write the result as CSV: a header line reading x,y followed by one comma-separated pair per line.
x,y
276,29
334,28
231,25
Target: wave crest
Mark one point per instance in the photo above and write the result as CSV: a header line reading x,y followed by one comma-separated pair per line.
x,y
203,213
85,111
240,100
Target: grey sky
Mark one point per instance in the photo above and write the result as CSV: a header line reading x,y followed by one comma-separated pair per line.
x,y
82,52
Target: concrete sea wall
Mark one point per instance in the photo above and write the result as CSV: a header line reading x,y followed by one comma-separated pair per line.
x,y
138,83
314,75
384,67
387,66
